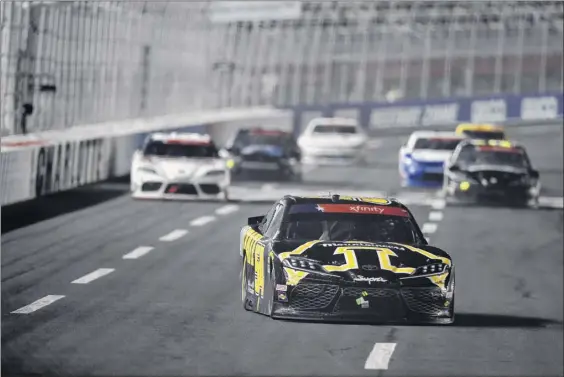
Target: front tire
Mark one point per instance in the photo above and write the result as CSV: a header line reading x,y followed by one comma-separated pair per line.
x,y
244,284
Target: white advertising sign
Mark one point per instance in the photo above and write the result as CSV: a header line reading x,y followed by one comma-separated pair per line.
x,y
234,11
494,110
539,108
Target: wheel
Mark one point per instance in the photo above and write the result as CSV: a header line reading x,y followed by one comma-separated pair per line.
x,y
272,289
244,284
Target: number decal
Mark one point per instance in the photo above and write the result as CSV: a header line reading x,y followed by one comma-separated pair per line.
x,y
259,269
351,262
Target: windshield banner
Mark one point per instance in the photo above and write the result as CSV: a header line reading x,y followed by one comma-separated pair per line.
x,y
363,209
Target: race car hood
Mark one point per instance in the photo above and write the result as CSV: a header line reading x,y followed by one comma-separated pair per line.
x,y
265,149
495,168
186,167
430,155
368,266
331,141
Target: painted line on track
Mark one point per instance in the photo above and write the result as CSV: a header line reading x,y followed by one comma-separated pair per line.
x,y
138,252
438,204
202,220
174,235
380,356
93,276
226,210
38,304
435,216
429,228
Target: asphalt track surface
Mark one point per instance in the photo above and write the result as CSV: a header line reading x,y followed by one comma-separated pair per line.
x,y
175,309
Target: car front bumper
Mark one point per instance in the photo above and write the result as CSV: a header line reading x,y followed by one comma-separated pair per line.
x,y
181,190
326,302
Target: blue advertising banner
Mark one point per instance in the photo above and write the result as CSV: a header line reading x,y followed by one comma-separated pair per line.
x,y
491,109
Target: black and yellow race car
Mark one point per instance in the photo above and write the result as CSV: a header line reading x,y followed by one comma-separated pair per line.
x,y
493,171
340,258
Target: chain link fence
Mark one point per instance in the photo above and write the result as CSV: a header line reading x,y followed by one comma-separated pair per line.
x,y
87,62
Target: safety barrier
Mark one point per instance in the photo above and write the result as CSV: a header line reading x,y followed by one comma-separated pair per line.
x,y
502,109
44,163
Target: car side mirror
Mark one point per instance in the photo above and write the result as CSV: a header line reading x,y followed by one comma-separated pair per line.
x,y
255,220
534,173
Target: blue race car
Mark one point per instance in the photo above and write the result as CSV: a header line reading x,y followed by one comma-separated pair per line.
x,y
422,158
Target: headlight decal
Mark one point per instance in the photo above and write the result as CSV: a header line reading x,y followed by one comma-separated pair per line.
x,y
293,277
148,170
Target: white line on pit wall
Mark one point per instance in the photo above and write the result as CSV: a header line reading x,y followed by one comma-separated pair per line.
x,y
435,216
226,210
93,276
138,252
380,356
36,305
429,228
202,220
174,235
268,186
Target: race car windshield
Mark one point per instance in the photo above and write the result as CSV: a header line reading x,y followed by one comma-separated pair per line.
x,y
162,149
256,139
334,130
348,227
498,135
436,144
493,157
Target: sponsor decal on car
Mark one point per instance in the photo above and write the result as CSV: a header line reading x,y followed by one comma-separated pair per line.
x,y
362,303
281,287
348,208
371,279
282,297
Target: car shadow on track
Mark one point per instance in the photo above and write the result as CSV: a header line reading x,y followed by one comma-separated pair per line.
x,y
469,320
501,321
19,215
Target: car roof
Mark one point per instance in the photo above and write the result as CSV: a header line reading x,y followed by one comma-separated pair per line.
x,y
342,199
485,127
181,137
333,122
437,134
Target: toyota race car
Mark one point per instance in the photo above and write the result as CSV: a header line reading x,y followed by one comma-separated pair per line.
x,y
179,166
265,152
332,141
341,258
491,170
481,131
421,159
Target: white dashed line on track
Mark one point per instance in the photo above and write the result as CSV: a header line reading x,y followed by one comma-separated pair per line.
x,y
226,210
429,228
93,276
380,356
438,204
36,305
138,253
202,220
174,235
435,216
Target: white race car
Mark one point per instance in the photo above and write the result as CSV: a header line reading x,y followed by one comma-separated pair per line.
x,y
179,166
333,141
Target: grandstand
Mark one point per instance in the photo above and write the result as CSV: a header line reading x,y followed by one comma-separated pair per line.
x,y
118,60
